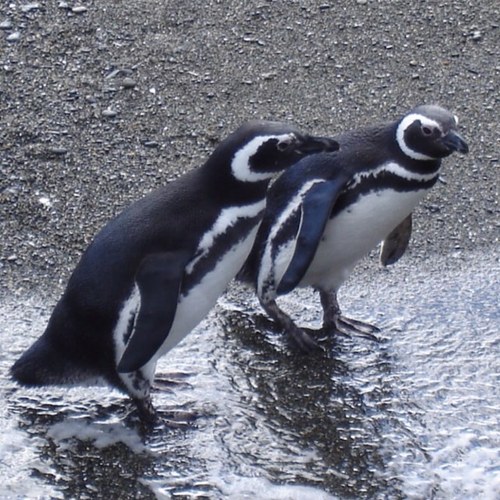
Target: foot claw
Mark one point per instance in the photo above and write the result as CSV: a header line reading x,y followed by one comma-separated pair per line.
x,y
348,327
359,325
304,341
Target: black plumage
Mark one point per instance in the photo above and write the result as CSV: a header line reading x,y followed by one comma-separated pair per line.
x,y
153,272
328,210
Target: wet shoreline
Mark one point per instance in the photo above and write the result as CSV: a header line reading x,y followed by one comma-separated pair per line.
x,y
413,414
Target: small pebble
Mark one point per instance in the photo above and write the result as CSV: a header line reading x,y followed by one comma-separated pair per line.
x,y
45,201
476,35
59,151
128,83
269,75
109,113
5,25
119,72
14,37
79,9
29,7
362,2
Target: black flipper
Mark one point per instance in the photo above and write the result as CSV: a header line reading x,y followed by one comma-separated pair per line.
x,y
316,209
396,243
159,280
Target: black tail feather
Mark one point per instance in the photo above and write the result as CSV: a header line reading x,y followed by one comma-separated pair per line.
x,y
42,364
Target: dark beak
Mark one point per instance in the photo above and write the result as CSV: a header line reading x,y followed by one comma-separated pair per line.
x,y
454,142
312,145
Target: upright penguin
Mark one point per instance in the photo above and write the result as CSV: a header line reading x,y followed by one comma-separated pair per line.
x,y
329,210
153,273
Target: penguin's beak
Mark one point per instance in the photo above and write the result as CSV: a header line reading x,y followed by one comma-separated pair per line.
x,y
312,145
454,142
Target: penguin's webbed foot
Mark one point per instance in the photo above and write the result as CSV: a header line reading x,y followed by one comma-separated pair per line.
x,y
333,320
303,340
349,326
298,337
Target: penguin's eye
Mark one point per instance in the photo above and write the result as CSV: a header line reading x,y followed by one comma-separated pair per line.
x,y
284,144
427,130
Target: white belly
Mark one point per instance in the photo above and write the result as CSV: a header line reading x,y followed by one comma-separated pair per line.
x,y
356,231
191,309
194,306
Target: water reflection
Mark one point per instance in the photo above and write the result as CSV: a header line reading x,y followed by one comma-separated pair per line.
x,y
326,411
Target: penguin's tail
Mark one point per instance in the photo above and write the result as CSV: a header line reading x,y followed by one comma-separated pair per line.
x,y
43,364
248,271
244,276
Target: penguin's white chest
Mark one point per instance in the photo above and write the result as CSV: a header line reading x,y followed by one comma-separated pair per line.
x,y
191,309
355,231
208,282
196,304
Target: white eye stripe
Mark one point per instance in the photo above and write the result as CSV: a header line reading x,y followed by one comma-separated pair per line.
x,y
240,166
406,122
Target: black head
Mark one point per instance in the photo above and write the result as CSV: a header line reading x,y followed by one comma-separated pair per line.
x,y
429,132
262,148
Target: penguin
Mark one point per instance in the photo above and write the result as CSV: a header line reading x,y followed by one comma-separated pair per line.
x,y
155,271
329,210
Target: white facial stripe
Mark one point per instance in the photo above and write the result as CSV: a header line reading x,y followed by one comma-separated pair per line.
x,y
240,165
392,168
227,218
267,265
400,135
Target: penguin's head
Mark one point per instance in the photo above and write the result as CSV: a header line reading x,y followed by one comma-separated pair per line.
x,y
429,132
262,148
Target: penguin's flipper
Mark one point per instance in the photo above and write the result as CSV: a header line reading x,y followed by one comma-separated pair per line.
x,y
159,279
396,243
315,211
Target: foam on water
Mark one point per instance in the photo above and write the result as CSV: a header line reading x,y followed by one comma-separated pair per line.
x,y
101,435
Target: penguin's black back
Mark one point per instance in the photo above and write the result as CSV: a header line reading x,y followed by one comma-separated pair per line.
x,y
77,341
173,221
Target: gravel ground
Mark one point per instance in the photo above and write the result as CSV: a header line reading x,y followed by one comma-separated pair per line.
x,y
101,101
